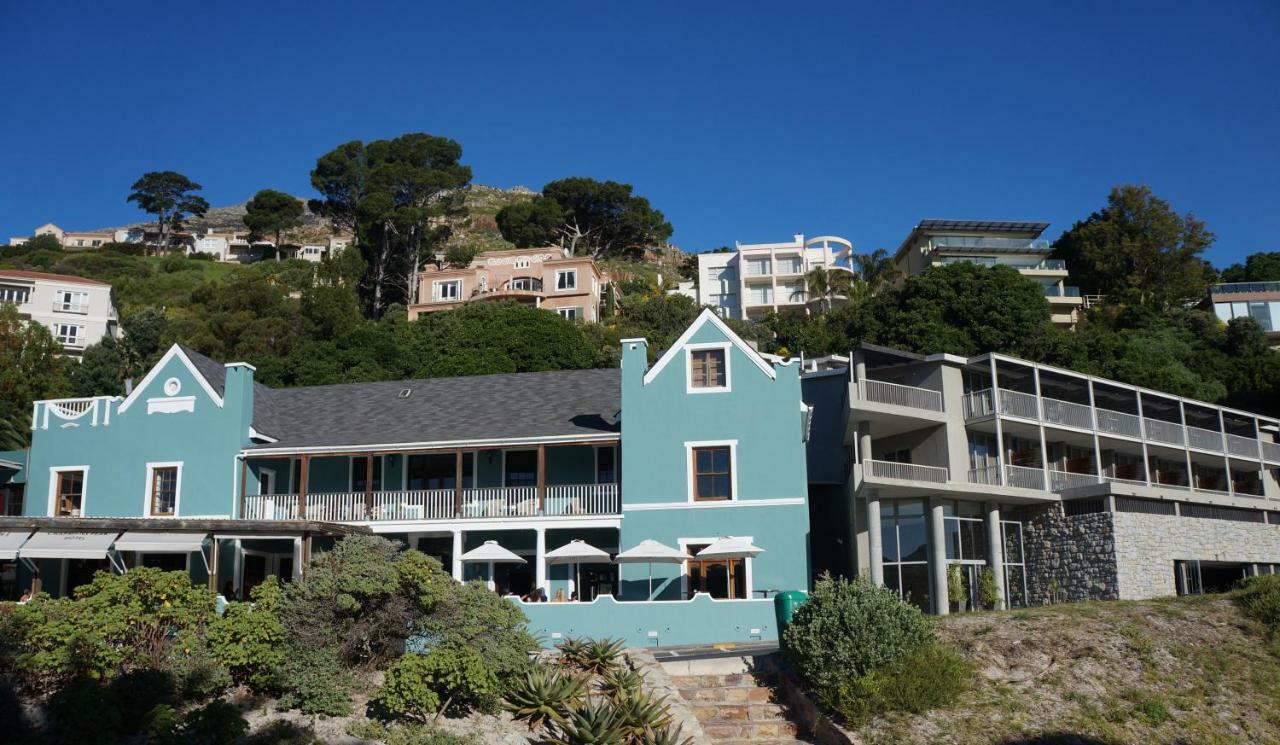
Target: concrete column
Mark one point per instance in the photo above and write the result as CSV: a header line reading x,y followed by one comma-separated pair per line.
x,y
995,406
457,555
1044,447
875,544
1142,428
938,558
540,557
297,558
995,552
864,443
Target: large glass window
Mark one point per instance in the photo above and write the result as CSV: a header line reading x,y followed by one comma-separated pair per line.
x,y
712,477
438,471
521,467
360,473
1015,568
903,534
723,579
70,493
164,491
606,465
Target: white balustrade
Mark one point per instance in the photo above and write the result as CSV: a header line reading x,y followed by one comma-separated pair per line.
x,y
1162,431
1024,477
1017,404
988,475
1118,423
582,499
76,411
1243,446
978,404
1067,413
908,471
1271,451
1204,439
336,506
1062,480
500,501
421,504
896,394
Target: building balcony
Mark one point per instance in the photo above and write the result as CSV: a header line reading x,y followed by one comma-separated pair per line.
x,y
884,469
1242,288
507,502
1057,294
990,243
896,394
73,412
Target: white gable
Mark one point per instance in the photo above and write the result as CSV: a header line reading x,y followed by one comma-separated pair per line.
x,y
709,316
174,351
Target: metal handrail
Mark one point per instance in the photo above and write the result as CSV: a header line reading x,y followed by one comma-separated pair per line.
x,y
906,471
896,394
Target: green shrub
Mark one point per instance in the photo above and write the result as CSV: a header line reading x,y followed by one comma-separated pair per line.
x,y
406,733
640,712
161,726
315,682
925,678
283,732
249,640
197,675
957,589
544,693
84,712
215,723
988,588
140,691
471,615
848,628
601,655
594,723
621,680
448,679
1260,598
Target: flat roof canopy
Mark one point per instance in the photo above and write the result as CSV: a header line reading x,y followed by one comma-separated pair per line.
x,y
10,542
161,543
53,545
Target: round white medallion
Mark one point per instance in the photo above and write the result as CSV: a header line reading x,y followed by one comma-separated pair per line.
x,y
172,386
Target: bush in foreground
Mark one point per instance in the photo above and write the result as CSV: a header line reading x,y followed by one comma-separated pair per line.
x,y
847,628
928,677
1260,598
447,680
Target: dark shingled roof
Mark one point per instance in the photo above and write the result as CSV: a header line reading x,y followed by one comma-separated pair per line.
x,y
480,407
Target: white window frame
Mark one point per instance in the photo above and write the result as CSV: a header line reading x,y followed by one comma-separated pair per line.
x,y
733,467
689,349
440,284
521,262
578,314
684,544
567,273
146,489
64,301
53,488
270,473
76,341
10,294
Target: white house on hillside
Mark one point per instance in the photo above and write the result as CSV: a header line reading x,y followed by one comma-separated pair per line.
x,y
77,311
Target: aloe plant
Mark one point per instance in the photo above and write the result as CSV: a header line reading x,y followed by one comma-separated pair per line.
x,y
594,723
601,655
666,736
640,712
544,694
621,680
572,651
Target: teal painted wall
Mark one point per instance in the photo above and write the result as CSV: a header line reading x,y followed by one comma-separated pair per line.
x,y
698,621
204,440
763,416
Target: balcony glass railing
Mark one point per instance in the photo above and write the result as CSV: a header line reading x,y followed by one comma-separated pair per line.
x,y
980,242
1271,451
1242,446
1235,288
1118,423
1204,439
978,404
1062,480
1162,431
1067,413
1017,404
1024,477
1056,291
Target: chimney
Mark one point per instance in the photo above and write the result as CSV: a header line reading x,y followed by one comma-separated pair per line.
x,y
237,394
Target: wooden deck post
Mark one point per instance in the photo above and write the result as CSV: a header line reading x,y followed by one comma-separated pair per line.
x,y
213,563
368,486
457,485
244,476
542,479
303,472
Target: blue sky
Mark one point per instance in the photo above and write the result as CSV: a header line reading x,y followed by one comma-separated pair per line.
x,y
740,121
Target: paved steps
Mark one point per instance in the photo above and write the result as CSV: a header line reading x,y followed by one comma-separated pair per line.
x,y
737,707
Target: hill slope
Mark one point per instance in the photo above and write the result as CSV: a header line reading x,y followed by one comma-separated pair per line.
x,y
1185,670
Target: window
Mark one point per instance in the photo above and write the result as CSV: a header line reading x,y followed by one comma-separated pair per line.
x,y
68,334
572,314
522,262
70,301
760,295
759,267
521,467
606,465
14,294
69,493
904,544
708,369
439,471
164,491
360,474
528,284
566,279
712,477
448,290
789,265
266,481
722,579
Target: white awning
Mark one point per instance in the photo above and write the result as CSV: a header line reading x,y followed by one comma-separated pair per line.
x,y
730,548
161,543
491,551
577,551
10,542
649,551
44,545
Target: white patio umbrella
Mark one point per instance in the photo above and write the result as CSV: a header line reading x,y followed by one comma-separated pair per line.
x,y
649,551
491,553
730,547
575,552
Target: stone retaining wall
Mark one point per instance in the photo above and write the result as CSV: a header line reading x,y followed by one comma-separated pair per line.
x,y
1078,551
1147,545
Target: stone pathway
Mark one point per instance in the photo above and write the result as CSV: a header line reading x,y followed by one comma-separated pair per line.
x,y
735,702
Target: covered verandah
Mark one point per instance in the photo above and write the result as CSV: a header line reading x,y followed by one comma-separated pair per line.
x,y
58,554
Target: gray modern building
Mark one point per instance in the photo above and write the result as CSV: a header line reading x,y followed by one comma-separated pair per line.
x,y
1066,486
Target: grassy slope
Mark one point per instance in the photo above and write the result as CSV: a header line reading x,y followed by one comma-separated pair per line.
x,y
1185,670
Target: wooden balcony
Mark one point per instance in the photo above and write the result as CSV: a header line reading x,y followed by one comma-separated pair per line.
x,y
437,504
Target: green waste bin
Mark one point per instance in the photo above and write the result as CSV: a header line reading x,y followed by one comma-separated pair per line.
x,y
784,607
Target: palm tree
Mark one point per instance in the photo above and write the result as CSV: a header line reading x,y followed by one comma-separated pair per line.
x,y
824,286
877,270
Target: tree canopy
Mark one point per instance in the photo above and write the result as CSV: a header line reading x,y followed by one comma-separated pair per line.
x,y
169,196
1259,267
1138,247
271,213
586,216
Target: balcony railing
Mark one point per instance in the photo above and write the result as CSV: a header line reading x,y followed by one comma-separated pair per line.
x,y
73,411
907,471
436,504
1018,404
1271,451
980,242
897,394
1204,439
1056,291
978,404
1118,423
1061,480
1243,446
1024,477
1067,413
1162,431
1233,288
61,307
988,475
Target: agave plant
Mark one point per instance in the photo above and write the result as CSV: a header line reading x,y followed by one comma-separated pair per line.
x,y
594,723
544,693
621,680
572,651
640,712
601,655
665,736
